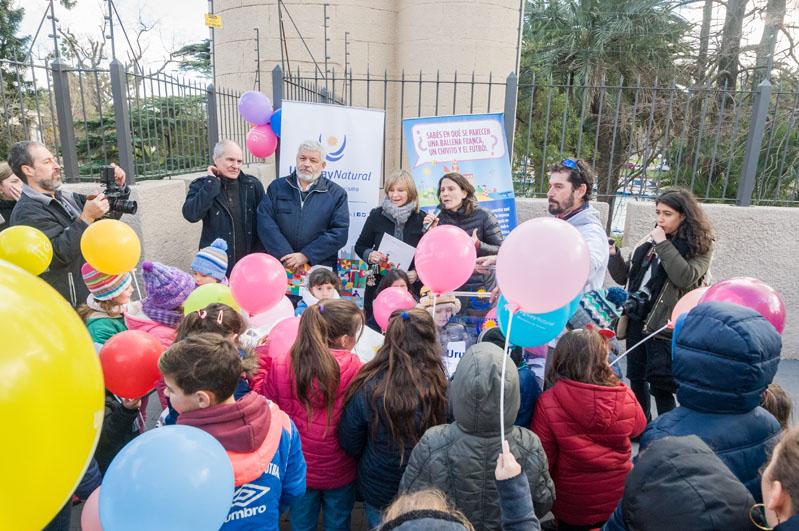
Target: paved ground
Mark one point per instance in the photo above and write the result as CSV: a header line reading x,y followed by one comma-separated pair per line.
x,y
787,377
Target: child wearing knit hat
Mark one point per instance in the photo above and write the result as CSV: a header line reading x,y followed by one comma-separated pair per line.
x,y
159,314
105,306
452,334
210,263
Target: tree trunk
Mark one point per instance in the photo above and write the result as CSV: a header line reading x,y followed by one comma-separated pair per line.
x,y
731,44
607,174
775,15
704,43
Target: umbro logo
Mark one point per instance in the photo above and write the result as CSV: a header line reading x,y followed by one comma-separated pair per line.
x,y
248,493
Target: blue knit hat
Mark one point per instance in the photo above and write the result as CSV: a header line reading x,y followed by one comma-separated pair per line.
x,y
212,260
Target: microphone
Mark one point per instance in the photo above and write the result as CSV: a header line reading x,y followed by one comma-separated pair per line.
x,y
436,212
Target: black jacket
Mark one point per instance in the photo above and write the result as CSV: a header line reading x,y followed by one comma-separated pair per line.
x,y
679,483
489,234
371,235
64,233
380,464
6,206
119,428
206,201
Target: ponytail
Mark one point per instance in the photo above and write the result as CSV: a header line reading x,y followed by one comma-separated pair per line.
x,y
410,383
316,372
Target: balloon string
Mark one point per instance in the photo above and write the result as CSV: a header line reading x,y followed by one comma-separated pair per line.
x,y
502,382
136,282
434,306
647,338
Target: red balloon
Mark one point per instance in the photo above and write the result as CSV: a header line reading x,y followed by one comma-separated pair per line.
x,y
130,363
751,293
283,336
390,300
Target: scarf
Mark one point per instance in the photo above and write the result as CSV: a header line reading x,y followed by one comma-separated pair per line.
x,y
398,214
116,310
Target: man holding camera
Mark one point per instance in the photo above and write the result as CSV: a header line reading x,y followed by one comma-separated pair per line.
x,y
60,214
226,200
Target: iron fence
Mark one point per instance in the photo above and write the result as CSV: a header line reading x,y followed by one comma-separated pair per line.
x,y
640,139
726,145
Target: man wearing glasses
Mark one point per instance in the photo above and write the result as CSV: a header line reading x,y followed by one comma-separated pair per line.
x,y
570,184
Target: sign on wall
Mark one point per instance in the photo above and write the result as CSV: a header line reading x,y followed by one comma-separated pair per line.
x,y
473,145
353,139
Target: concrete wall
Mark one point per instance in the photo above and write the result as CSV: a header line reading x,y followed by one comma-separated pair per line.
x,y
758,242
752,241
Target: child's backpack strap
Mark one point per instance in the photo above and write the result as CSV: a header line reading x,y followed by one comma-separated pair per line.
x,y
250,466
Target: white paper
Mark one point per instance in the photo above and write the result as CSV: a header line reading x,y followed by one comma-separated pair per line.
x,y
398,252
368,344
453,355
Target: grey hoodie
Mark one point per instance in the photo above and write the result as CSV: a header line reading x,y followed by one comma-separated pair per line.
x,y
459,458
588,222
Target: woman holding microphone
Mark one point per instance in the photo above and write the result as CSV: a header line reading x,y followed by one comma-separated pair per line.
x,y
671,261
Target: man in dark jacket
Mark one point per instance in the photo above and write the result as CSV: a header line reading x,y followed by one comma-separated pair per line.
x,y
304,218
61,215
724,357
226,201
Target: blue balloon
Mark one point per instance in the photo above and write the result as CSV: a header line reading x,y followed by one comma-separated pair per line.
x,y
169,478
274,122
574,305
530,329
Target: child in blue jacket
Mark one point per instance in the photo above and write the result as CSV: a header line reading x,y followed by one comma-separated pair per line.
x,y
201,372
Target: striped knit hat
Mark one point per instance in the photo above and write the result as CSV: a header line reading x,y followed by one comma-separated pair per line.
x,y
212,260
104,287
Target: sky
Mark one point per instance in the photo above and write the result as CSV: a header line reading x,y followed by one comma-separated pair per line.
x,y
179,22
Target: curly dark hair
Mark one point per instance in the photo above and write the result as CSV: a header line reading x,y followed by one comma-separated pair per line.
x,y
695,229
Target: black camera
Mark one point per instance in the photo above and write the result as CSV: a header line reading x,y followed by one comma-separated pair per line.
x,y
637,305
117,197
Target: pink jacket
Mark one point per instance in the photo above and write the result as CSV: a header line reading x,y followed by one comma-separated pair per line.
x,y
136,320
328,466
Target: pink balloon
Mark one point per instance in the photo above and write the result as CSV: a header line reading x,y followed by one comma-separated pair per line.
x,y
390,300
686,303
261,141
258,282
445,258
268,319
751,293
90,515
282,337
542,265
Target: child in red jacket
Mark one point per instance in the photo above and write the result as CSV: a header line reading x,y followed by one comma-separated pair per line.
x,y
309,384
585,422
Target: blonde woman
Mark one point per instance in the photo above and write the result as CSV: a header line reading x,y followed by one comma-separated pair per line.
x,y
398,216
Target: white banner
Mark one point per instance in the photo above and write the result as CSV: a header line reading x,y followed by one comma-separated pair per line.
x,y
353,139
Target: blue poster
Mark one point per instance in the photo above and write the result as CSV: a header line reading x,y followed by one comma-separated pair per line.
x,y
473,145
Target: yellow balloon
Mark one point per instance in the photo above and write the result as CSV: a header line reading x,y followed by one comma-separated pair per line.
x,y
110,246
51,400
27,248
